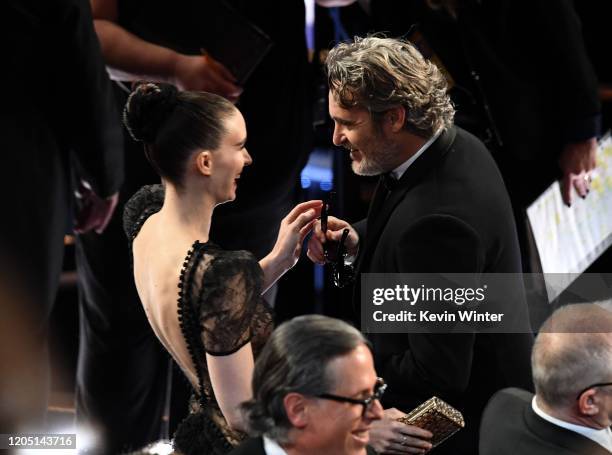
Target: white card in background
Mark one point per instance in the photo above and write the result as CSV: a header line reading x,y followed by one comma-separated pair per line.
x,y
569,239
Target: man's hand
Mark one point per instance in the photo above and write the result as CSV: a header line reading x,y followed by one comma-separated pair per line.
x,y
335,227
94,212
204,73
389,436
576,162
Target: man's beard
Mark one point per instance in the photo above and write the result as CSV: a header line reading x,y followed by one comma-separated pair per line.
x,y
380,159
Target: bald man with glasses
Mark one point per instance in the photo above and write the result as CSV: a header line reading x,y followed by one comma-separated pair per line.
x,y
571,412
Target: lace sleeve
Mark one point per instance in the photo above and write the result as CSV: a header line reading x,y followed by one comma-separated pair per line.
x,y
145,202
229,292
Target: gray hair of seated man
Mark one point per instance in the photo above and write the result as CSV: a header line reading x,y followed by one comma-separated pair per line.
x,y
295,359
572,351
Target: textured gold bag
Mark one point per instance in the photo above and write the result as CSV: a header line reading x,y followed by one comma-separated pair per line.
x,y
436,416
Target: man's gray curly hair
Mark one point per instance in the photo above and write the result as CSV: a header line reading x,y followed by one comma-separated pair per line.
x,y
380,73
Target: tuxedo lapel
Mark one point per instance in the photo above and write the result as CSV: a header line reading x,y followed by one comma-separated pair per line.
x,y
382,206
378,200
381,193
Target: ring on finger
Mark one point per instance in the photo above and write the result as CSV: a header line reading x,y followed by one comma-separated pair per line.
x,y
404,440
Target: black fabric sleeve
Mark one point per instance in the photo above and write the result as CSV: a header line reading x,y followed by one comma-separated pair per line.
x,y
435,364
227,295
360,227
94,127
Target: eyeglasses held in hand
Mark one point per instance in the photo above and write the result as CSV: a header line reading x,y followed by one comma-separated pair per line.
x,y
342,273
367,403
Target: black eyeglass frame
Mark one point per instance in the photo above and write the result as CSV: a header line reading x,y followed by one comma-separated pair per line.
x,y
592,386
342,273
379,391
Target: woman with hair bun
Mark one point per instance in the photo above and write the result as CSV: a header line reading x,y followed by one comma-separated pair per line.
x,y
216,322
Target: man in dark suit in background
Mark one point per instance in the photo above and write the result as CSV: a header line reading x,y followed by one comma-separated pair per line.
x,y
57,121
571,412
315,391
440,206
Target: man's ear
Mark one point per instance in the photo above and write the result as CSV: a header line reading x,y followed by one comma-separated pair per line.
x,y
588,403
395,118
204,162
296,407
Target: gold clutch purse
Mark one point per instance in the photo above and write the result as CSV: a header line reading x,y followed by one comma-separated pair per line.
x,y
436,416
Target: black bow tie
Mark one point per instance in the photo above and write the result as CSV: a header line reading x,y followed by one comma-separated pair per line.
x,y
388,182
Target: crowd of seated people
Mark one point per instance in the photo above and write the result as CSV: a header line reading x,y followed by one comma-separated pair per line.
x,y
318,385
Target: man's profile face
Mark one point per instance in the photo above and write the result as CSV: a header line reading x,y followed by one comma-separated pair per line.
x,y
371,151
342,428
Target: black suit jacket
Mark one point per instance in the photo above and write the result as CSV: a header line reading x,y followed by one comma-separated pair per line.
x,y
510,426
449,213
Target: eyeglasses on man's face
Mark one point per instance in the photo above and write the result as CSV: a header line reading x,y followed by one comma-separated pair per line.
x,y
367,403
592,386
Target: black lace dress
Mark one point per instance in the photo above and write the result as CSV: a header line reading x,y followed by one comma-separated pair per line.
x,y
219,310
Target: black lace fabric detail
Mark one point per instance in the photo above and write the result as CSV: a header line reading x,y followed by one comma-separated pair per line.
x,y
220,305
232,289
220,309
144,203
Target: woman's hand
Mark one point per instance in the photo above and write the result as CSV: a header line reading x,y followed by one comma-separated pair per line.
x,y
293,230
390,436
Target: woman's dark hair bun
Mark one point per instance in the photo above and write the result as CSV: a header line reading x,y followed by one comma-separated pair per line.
x,y
147,108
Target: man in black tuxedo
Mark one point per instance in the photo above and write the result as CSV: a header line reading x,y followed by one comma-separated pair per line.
x,y
529,91
440,206
57,122
571,412
315,391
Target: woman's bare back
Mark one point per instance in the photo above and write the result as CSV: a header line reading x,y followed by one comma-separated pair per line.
x,y
157,270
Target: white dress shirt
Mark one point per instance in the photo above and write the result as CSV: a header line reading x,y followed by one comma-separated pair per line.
x,y
399,171
271,447
601,437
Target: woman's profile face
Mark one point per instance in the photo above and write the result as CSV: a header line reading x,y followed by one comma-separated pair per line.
x,y
230,158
